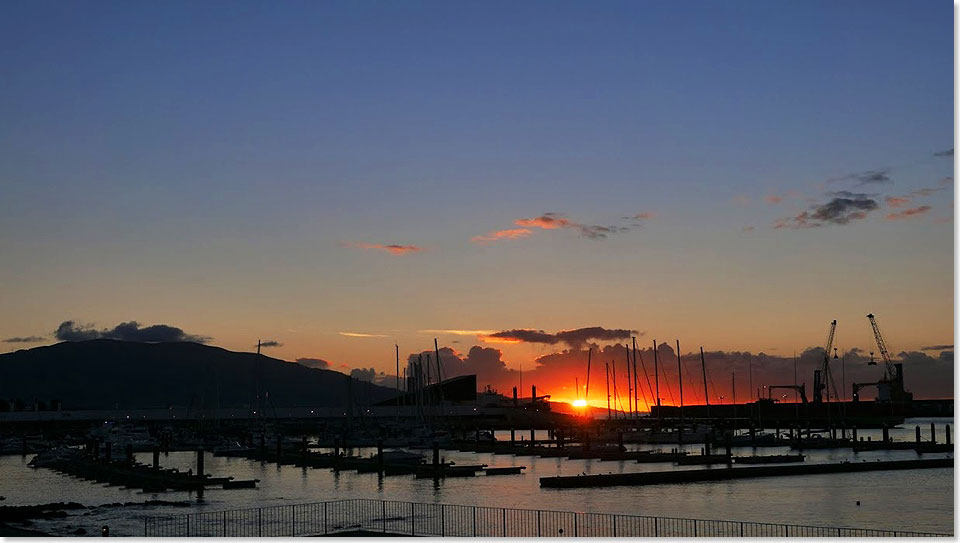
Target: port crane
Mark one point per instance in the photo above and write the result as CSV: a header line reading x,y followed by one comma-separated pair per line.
x,y
823,375
890,387
802,389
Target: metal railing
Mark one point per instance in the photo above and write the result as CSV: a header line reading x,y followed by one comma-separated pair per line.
x,y
434,519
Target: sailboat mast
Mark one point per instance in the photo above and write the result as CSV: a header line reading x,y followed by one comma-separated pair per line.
x,y
606,368
703,367
680,379
587,391
656,376
629,387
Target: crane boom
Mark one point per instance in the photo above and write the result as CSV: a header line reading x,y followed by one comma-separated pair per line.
x,y
821,375
890,371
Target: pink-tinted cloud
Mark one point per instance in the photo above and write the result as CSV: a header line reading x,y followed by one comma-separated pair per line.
x,y
512,233
773,199
392,248
897,201
908,213
556,221
547,221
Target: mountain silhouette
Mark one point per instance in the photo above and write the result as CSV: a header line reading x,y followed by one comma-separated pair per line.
x,y
107,374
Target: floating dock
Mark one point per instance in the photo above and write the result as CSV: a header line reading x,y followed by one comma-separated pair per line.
x,y
700,475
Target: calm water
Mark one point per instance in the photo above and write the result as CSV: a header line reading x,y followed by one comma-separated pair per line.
x,y
920,500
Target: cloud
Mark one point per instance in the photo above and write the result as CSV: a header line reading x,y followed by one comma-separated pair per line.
x,y
271,343
943,347
513,233
556,221
773,199
547,221
25,339
869,177
317,363
484,362
574,338
360,334
458,332
596,231
897,201
126,331
842,209
747,229
364,374
948,152
393,248
908,213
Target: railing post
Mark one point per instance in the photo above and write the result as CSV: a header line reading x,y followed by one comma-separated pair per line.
x,y
383,514
474,521
741,529
442,532
144,526
694,528
188,525
656,527
838,532
575,527
260,522
538,523
325,517
224,524
504,511
293,524
413,523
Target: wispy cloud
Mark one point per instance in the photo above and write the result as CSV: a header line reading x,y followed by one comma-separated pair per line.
x,y
360,334
773,199
458,332
393,248
948,152
547,221
843,208
908,213
869,177
574,338
556,221
25,339
270,343
897,201
512,233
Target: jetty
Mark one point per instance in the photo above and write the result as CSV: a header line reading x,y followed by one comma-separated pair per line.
x,y
701,475
131,474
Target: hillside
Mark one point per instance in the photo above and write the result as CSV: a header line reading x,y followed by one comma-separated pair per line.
x,y
103,374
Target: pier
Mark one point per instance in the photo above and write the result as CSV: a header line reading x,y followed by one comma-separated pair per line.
x,y
701,475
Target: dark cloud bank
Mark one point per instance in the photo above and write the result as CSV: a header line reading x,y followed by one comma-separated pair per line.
x,y
125,331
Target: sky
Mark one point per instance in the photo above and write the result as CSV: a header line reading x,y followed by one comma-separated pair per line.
x,y
342,177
